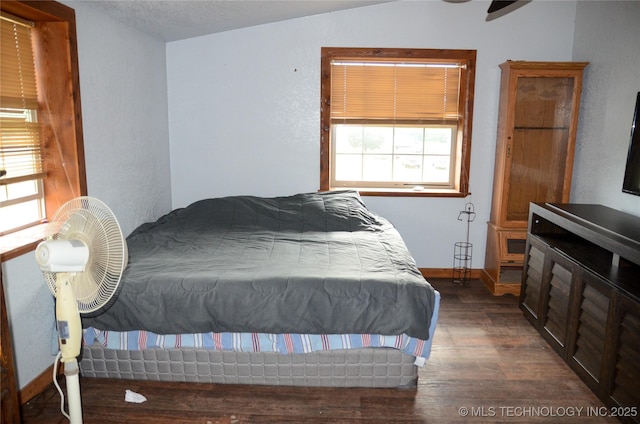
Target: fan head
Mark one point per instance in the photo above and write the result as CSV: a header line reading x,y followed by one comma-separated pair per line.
x,y
89,225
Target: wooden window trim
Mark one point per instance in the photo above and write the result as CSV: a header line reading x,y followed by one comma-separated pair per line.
x,y
59,111
466,105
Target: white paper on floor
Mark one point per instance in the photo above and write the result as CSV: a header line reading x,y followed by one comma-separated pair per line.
x,y
134,397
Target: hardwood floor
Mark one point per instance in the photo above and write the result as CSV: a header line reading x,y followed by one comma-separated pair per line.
x,y
488,364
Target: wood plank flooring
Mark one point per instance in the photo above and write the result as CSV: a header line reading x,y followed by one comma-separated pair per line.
x,y
488,364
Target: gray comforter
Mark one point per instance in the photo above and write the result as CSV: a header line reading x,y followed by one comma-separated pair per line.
x,y
317,263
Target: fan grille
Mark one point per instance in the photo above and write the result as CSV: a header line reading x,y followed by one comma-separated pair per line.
x,y
90,220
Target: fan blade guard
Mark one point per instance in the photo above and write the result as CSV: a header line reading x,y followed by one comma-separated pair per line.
x,y
88,221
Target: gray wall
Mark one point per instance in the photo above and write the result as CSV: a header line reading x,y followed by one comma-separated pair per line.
x,y
244,105
123,87
607,34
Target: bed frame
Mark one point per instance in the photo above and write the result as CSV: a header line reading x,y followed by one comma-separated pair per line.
x,y
368,367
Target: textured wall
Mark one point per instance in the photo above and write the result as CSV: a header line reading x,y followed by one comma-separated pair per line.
x,y
124,111
124,107
607,34
30,309
244,105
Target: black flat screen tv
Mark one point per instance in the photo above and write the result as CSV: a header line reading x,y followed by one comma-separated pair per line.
x,y
631,182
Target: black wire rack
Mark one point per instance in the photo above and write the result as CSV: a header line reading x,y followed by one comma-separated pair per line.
x,y
463,250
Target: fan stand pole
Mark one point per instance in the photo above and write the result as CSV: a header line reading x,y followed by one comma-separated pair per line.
x,y
70,340
71,373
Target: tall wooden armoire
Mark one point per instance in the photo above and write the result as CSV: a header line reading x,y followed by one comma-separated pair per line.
x,y
537,123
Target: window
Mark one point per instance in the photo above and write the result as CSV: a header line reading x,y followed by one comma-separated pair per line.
x,y
396,121
21,194
56,112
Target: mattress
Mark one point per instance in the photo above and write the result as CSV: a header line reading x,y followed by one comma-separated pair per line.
x,y
138,340
315,263
255,342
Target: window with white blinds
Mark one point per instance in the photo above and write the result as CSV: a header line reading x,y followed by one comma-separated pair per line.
x,y
20,148
396,120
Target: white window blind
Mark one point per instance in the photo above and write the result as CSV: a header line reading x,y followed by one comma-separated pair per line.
x,y
20,148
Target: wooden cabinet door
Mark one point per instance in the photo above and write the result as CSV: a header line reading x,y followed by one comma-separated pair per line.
x,y
538,118
538,145
512,246
561,273
623,381
588,331
533,273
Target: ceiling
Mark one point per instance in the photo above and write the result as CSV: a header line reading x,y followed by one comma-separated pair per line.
x,y
172,20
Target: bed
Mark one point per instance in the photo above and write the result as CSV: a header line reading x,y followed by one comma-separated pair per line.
x,y
311,289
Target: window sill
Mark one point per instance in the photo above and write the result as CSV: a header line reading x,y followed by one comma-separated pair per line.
x,y
21,242
408,192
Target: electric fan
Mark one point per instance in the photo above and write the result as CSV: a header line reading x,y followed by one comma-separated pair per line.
x,y
82,260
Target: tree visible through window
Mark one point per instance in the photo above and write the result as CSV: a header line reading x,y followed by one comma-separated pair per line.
x,y
396,120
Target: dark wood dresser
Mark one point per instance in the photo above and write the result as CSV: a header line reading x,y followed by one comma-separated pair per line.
x,y
581,290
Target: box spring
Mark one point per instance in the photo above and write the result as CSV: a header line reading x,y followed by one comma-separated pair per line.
x,y
369,367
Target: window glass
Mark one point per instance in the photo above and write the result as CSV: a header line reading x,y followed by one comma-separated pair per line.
x,y
393,156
